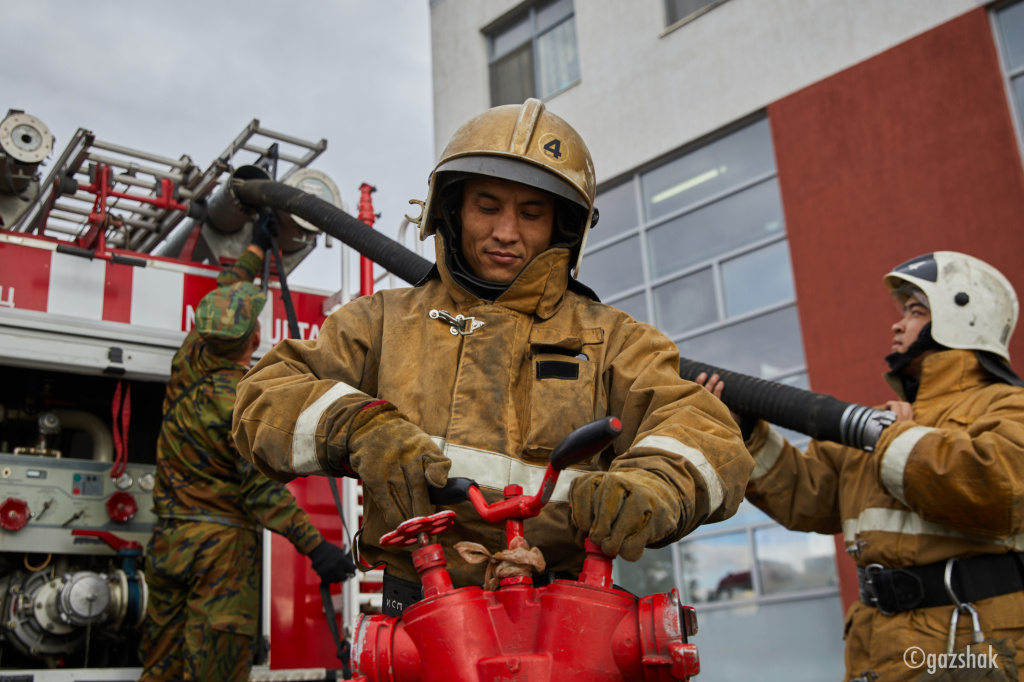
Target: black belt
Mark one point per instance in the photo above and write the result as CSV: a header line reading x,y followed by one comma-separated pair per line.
x,y
894,590
400,594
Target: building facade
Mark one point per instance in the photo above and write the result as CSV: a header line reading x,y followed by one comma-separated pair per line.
x,y
761,166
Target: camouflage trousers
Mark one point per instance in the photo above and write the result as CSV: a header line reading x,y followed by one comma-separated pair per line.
x,y
201,618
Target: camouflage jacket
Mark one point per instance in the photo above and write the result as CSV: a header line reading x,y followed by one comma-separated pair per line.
x,y
200,476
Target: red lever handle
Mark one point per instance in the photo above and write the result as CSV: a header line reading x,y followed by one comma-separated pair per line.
x,y
117,544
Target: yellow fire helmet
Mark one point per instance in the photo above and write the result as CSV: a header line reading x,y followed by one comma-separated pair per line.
x,y
973,306
521,143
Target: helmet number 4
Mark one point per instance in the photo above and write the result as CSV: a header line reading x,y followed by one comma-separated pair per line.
x,y
554,148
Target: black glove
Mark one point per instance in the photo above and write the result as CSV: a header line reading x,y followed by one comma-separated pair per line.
x,y
332,563
263,228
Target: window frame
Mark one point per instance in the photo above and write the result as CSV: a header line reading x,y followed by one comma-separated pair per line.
x,y
750,530
644,225
529,12
692,16
1009,75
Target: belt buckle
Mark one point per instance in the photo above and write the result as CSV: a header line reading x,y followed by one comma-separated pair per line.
x,y
868,570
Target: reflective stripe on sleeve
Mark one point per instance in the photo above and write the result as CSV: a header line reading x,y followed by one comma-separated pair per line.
x,y
908,523
894,460
304,459
712,481
769,453
494,470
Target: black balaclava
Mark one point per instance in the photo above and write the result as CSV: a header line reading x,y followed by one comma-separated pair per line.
x,y
449,224
900,361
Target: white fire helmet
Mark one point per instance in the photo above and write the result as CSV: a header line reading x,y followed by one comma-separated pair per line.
x,y
973,306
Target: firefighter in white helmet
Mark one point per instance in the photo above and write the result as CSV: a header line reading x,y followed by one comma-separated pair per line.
x,y
934,517
482,368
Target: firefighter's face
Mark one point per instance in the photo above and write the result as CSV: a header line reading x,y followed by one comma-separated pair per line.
x,y
504,225
906,330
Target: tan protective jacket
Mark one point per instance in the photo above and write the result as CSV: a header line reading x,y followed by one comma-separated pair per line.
x,y
481,399
948,484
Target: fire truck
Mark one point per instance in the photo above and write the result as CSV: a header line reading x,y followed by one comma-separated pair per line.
x,y
102,262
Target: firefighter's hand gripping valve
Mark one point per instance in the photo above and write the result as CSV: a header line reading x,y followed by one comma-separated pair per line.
x,y
569,630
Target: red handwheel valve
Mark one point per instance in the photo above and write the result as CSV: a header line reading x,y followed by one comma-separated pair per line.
x,y
14,514
122,507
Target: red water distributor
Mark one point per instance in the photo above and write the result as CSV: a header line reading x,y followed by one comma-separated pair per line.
x,y
569,631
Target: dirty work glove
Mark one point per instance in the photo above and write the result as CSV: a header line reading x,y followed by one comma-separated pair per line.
x,y
332,563
263,228
397,461
624,511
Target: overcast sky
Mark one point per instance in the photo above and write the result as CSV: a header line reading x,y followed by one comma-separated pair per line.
x,y
186,77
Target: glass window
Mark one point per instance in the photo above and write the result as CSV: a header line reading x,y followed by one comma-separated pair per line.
x,y
717,568
635,306
1010,21
552,13
708,255
765,346
613,269
677,10
1018,93
714,168
757,279
653,573
618,214
512,37
685,303
556,59
535,55
512,77
719,227
809,631
793,562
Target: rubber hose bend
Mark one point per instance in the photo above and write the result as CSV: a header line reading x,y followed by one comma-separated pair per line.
x,y
818,415
379,248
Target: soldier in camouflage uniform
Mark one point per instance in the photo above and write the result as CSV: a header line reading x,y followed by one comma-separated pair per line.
x,y
204,557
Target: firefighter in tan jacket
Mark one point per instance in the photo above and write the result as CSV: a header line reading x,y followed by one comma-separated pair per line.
x,y
934,517
482,368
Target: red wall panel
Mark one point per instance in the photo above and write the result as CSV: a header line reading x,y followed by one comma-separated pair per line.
x,y
909,152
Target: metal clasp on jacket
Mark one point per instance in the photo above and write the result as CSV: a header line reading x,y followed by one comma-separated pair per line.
x,y
460,325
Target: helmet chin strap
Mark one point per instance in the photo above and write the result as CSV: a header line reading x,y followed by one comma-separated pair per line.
x,y
900,361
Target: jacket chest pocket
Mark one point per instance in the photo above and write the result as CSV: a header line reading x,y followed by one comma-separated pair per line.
x,y
562,390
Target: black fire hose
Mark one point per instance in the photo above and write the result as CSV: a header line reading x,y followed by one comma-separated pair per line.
x,y
815,414
379,248
818,415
